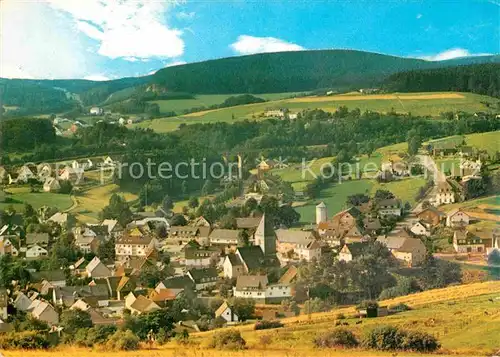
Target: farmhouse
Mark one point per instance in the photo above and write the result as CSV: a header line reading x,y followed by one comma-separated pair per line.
x,y
225,312
431,216
51,184
457,218
410,251
257,287
467,242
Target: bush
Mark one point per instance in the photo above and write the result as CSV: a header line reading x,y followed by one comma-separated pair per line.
x,y
26,340
339,337
228,340
161,337
393,338
367,304
399,307
265,324
183,337
340,316
123,340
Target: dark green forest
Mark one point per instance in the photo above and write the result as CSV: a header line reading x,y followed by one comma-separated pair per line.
x,y
480,79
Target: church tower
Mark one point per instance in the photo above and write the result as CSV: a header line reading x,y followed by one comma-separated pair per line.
x,y
265,237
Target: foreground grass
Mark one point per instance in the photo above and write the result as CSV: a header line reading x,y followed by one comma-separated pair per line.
x,y
465,319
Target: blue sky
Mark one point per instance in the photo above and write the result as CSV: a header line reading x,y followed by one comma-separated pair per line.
x,y
102,39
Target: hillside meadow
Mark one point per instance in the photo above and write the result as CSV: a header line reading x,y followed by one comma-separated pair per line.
x,y
424,104
464,318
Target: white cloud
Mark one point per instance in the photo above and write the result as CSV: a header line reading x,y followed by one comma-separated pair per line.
x,y
419,16
36,43
186,15
452,53
96,77
246,45
127,29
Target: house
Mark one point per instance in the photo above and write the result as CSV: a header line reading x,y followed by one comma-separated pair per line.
x,y
441,194
200,257
109,162
51,184
421,228
184,233
93,294
40,239
257,287
371,225
9,246
389,207
140,304
36,251
233,266
45,312
470,168
410,251
65,220
4,302
457,218
24,174
44,171
176,283
96,269
96,111
277,113
297,245
53,277
203,278
113,227
250,223
431,216
351,251
133,244
467,242
76,176
22,302
87,244
224,237
162,297
225,312
341,223
82,164
266,165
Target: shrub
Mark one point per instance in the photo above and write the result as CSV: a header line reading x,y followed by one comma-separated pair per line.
x,y
265,324
228,340
399,307
384,338
392,338
420,342
339,337
26,340
161,337
183,337
367,304
340,316
123,340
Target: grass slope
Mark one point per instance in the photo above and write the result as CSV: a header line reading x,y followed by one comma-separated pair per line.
x,y
37,200
426,104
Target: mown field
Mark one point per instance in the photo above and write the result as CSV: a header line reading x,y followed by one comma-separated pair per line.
x,y
335,196
92,201
24,195
431,104
465,319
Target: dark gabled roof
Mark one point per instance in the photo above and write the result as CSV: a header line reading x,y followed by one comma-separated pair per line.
x,y
356,248
178,282
49,275
234,259
251,282
199,274
248,222
252,256
433,210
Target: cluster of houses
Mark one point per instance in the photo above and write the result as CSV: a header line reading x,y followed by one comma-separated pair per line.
x,y
51,175
282,113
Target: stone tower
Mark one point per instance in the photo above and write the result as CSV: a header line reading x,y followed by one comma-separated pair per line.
x,y
321,213
265,237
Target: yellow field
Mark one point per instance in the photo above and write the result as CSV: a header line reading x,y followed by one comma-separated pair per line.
x,y
377,97
91,202
465,319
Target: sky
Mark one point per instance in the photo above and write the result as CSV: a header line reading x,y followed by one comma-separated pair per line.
x,y
108,39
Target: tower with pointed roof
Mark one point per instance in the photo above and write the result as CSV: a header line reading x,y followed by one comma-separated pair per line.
x,y
321,213
265,237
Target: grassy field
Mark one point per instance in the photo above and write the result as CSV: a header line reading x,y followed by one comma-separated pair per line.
x,y
37,200
431,104
335,196
485,141
298,177
465,319
91,202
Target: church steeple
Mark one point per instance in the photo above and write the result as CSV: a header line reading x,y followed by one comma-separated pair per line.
x,y
265,237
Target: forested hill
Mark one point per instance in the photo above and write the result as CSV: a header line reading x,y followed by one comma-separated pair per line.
x,y
293,71
261,73
478,78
